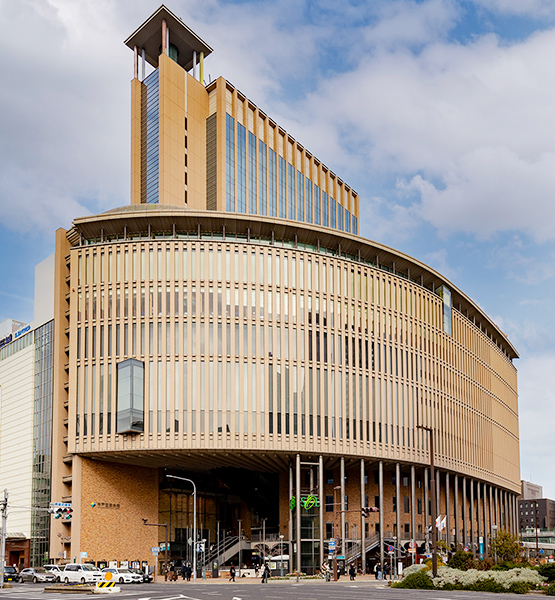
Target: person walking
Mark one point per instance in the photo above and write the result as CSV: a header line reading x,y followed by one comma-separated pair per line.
x,y
265,573
386,570
232,573
377,570
352,572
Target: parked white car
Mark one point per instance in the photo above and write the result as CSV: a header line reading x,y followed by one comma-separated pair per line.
x,y
81,573
123,575
54,569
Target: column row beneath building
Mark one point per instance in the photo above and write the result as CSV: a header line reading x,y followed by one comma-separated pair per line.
x,y
470,512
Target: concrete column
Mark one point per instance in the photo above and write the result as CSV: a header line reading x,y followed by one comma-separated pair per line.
x,y
413,510
497,520
491,523
472,517
465,513
143,64
322,507
202,68
398,496
362,519
438,493
135,62
478,511
164,37
342,477
195,64
426,508
485,517
447,510
380,492
457,525
291,494
298,511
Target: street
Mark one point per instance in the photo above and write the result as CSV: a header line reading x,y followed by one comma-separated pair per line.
x,y
254,590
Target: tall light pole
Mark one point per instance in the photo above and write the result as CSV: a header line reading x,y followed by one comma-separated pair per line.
x,y
433,494
194,521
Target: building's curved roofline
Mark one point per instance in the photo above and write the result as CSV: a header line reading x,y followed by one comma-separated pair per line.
x,y
141,219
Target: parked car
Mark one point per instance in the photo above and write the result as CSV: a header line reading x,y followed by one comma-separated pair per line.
x,y
147,577
11,574
123,575
81,573
56,570
36,575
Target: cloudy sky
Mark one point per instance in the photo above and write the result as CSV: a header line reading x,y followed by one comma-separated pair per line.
x,y
440,113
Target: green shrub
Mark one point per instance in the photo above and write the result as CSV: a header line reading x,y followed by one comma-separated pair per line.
x,y
550,590
462,560
504,565
415,581
487,585
519,587
547,570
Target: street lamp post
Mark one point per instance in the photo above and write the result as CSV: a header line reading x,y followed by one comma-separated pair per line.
x,y
433,494
194,521
281,555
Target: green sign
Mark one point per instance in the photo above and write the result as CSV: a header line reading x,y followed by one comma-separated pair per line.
x,y
307,502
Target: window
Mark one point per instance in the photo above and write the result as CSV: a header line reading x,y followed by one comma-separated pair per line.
x,y
405,480
407,528
406,504
394,500
130,396
329,503
329,477
329,530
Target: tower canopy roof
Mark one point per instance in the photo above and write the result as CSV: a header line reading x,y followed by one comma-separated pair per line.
x,y
149,37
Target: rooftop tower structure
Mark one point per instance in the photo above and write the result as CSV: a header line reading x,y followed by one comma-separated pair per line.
x,y
207,147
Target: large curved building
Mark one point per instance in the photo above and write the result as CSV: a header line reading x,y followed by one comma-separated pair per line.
x,y
230,327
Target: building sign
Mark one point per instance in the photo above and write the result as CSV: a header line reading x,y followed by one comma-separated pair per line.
x,y
104,505
307,502
13,336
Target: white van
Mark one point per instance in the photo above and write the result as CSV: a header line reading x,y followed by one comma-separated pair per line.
x,y
78,573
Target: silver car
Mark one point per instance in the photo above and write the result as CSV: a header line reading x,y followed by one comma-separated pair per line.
x,y
40,574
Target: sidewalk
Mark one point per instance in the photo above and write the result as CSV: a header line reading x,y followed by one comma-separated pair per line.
x,y
366,579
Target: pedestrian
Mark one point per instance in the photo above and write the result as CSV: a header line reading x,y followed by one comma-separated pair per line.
x,y
232,573
378,570
386,570
352,572
173,574
265,574
189,570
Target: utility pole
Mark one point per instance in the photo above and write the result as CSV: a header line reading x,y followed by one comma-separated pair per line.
x,y
4,509
433,495
165,525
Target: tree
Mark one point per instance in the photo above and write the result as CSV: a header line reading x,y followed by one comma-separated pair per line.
x,y
505,545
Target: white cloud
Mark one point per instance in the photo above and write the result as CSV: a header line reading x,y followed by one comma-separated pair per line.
x,y
466,125
531,8
537,414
